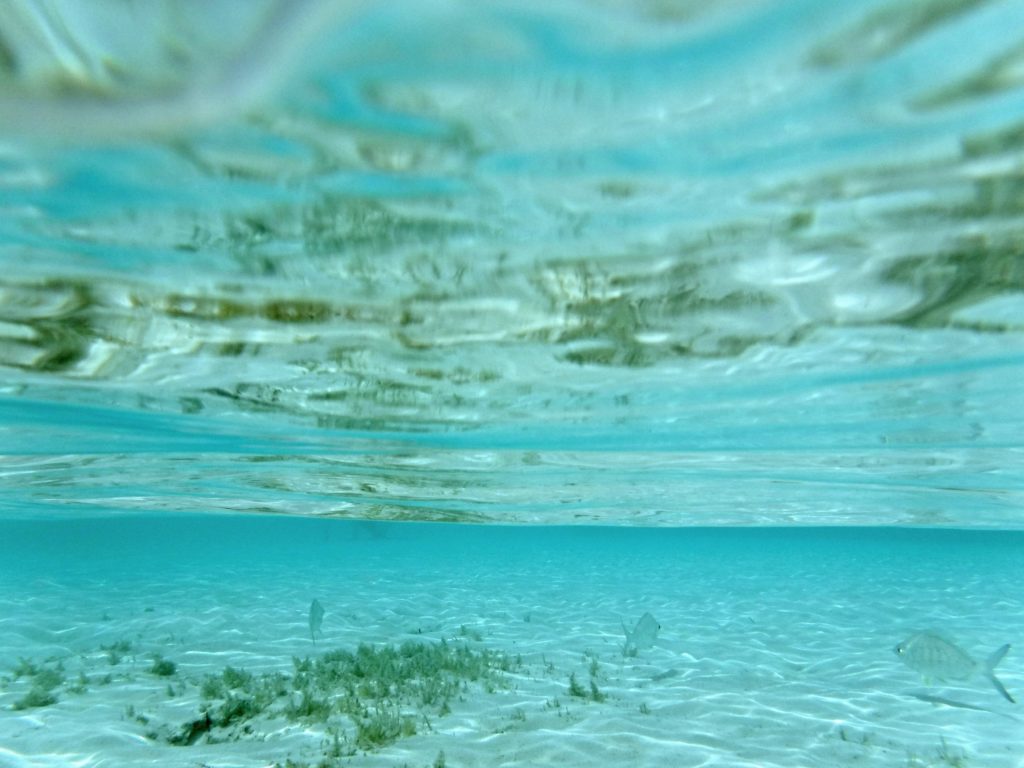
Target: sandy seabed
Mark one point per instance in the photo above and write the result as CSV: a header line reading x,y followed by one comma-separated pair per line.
x,y
764,658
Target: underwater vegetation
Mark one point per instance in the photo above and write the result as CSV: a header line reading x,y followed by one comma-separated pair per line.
x,y
362,699
44,681
117,651
162,667
593,693
369,697
945,755
36,697
575,689
48,678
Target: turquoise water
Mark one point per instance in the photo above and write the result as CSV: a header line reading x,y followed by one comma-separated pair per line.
x,y
775,646
511,322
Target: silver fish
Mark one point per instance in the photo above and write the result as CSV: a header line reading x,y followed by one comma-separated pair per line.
x,y
934,656
642,637
316,618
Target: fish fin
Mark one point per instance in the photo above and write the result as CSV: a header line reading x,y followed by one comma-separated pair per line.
x,y
990,665
999,687
992,661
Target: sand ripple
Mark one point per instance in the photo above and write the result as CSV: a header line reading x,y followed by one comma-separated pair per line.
x,y
762,660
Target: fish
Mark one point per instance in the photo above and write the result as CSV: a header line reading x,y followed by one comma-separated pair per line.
x,y
642,637
936,657
316,618
664,675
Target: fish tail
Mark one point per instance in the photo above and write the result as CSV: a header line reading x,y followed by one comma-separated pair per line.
x,y
990,665
629,639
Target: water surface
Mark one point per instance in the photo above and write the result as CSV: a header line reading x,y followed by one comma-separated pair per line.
x,y
541,262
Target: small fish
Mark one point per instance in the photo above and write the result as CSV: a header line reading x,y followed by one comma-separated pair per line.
x,y
934,656
642,637
316,618
664,675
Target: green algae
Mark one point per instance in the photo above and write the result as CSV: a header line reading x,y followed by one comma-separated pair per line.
x,y
575,689
45,680
383,726
25,668
381,691
578,691
162,667
37,696
116,651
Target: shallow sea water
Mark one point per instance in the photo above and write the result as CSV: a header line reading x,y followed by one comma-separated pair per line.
x,y
775,648
493,327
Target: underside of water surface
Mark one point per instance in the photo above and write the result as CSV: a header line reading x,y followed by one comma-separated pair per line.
x,y
669,263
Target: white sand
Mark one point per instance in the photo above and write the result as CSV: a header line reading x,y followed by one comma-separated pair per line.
x,y
753,666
